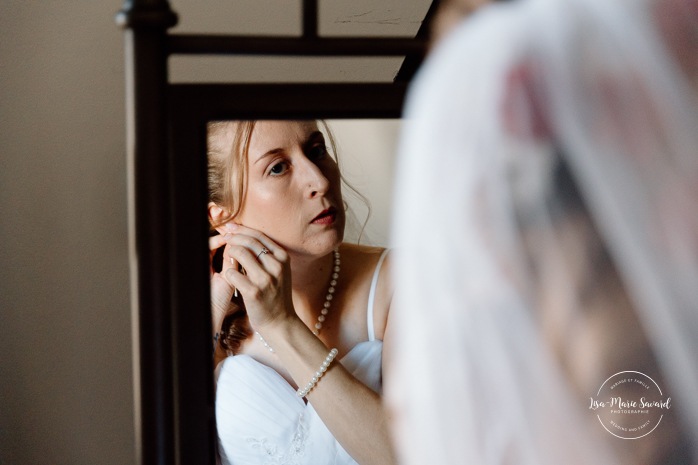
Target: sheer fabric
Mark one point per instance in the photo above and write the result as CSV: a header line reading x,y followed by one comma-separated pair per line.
x,y
546,233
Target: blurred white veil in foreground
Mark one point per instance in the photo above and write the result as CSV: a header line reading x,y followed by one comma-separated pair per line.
x,y
546,234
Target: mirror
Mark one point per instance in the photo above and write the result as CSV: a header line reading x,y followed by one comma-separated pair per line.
x,y
168,112
190,108
291,175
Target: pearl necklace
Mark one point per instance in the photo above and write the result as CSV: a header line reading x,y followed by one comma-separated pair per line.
x,y
330,294
325,307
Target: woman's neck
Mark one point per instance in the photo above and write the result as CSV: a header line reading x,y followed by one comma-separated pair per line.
x,y
310,278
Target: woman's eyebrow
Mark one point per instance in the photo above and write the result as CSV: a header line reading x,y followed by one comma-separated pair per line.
x,y
268,154
312,138
317,135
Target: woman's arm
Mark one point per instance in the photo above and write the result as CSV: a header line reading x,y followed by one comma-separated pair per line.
x,y
221,295
352,411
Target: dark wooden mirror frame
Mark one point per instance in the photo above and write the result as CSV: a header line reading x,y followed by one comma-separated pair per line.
x,y
168,228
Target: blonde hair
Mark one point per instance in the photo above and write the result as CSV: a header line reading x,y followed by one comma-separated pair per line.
x,y
228,145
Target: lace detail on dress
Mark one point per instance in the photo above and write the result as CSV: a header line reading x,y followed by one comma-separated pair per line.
x,y
296,448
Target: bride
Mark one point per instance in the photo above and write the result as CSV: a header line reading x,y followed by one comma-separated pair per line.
x,y
302,315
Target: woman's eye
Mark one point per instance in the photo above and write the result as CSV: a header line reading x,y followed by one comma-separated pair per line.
x,y
317,152
278,168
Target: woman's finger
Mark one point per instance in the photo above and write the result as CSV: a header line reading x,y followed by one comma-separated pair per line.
x,y
228,261
240,230
241,282
268,261
247,258
216,242
258,251
256,247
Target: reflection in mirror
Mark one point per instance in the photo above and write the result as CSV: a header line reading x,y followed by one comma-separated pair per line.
x,y
299,309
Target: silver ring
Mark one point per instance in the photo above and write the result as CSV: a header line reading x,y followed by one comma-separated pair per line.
x,y
263,252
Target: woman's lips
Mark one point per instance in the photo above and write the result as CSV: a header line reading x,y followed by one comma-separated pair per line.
x,y
326,216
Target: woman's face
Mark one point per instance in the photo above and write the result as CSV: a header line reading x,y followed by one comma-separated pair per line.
x,y
293,188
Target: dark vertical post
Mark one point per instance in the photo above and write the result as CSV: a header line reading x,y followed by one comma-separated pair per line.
x,y
310,19
192,348
145,23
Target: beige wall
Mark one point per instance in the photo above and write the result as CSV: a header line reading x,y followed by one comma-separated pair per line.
x,y
366,152
65,368
65,345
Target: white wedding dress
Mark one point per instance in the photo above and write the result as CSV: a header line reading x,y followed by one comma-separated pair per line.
x,y
261,420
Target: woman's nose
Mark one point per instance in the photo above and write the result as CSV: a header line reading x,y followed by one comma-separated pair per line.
x,y
316,183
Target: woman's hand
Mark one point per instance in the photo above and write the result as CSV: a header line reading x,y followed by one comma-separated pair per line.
x,y
265,284
221,289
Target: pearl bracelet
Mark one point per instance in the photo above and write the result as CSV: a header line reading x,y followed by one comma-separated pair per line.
x,y
318,374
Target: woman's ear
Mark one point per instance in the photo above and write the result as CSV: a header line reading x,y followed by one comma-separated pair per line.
x,y
217,214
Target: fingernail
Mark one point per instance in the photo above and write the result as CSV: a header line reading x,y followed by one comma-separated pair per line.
x,y
232,262
231,226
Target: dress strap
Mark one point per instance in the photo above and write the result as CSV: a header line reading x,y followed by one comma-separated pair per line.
x,y
372,296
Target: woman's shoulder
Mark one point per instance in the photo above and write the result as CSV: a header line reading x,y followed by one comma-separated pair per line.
x,y
364,259
362,253
369,271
